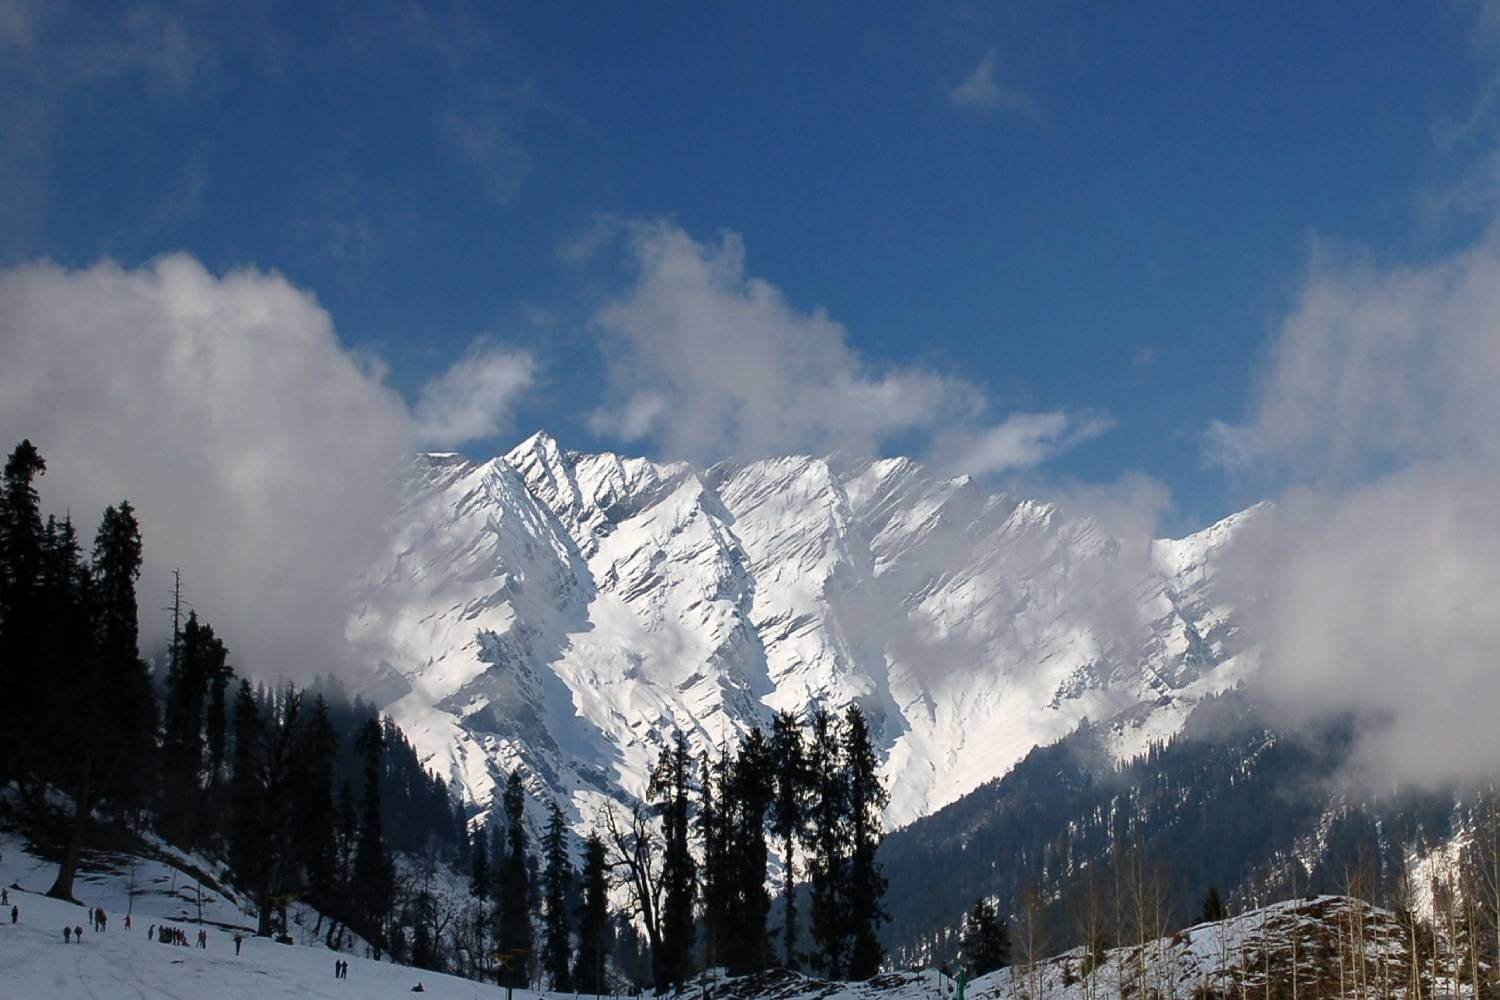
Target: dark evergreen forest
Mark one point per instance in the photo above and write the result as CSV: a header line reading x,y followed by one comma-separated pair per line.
x,y
1233,803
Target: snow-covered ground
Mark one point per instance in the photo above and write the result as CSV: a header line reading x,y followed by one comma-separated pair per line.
x,y
35,963
1309,939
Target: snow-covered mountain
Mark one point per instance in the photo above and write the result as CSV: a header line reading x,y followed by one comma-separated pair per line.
x,y
566,612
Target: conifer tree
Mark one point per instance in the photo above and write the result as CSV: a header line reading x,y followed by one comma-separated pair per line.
x,y
201,659
670,789
866,887
790,776
112,708
1213,906
985,943
515,935
479,871
314,818
22,623
373,872
826,841
244,785
750,795
593,921
557,879
716,883
462,842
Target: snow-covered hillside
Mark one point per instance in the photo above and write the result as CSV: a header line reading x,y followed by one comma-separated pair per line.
x,y
167,887
565,612
1322,946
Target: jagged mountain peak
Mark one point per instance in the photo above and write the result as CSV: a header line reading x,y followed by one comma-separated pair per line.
x,y
564,612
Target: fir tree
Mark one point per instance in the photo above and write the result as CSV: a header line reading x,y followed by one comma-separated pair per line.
x,y
315,821
22,623
866,887
714,831
670,789
113,709
826,840
201,659
373,873
480,886
245,832
750,793
593,921
515,935
790,776
1213,906
461,840
985,943
557,880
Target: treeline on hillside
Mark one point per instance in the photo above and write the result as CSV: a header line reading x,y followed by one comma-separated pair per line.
x,y
1232,802
694,860
305,793
816,794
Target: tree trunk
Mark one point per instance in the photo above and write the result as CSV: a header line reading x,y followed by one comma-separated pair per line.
x,y
62,888
263,903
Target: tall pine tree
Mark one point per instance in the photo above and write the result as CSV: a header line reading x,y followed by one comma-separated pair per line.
x,y
866,886
593,921
515,935
670,789
826,839
374,875
789,773
22,622
984,945
113,709
750,790
557,880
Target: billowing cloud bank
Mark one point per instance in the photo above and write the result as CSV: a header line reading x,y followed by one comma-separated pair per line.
x,y
1377,583
709,363
258,451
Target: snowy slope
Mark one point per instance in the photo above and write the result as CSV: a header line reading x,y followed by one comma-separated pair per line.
x,y
1271,951
34,962
564,612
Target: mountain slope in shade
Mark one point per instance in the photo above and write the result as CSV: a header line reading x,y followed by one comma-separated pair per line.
x,y
564,612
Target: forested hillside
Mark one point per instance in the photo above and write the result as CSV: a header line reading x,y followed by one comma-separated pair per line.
x,y
1233,803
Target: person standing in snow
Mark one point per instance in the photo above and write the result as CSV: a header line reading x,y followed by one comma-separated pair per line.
x,y
238,940
4,897
77,934
15,914
127,921
67,935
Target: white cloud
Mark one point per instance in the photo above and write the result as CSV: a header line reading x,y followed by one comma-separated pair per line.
x,y
256,449
983,90
1375,585
475,398
709,362
487,142
1020,441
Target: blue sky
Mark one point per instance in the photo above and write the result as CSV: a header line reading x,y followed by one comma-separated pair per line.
x,y
1033,209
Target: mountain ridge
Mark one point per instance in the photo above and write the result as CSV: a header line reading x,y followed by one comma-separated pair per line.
x,y
563,612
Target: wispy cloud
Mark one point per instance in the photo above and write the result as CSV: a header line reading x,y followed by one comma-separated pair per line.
x,y
485,139
983,90
1020,441
475,398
